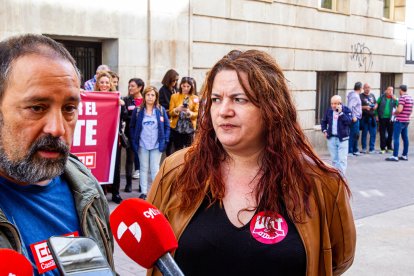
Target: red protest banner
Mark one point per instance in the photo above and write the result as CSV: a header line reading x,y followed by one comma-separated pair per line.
x,y
96,133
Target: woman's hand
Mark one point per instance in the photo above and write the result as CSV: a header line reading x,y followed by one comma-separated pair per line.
x,y
121,102
181,108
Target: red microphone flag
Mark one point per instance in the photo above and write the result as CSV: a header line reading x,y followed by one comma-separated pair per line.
x,y
14,263
142,231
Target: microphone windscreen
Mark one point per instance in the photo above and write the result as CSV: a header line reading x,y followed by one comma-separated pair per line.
x,y
14,263
142,231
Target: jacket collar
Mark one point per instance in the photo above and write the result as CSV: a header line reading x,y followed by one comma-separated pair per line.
x,y
81,181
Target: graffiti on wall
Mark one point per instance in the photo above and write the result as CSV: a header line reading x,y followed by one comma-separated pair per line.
x,y
362,55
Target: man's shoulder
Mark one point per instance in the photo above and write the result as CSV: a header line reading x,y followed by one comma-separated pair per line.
x,y
76,171
73,160
352,94
90,81
405,99
329,110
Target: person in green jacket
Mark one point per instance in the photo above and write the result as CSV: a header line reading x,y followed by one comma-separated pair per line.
x,y
386,103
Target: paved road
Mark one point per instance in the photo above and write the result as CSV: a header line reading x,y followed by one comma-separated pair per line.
x,y
383,206
378,185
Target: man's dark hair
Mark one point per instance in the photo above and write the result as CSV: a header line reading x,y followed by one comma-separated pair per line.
x,y
403,87
358,86
18,46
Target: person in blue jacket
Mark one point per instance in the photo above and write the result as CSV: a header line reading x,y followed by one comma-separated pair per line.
x,y
150,132
336,127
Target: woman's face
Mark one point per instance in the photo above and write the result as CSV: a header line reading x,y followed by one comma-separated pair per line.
x,y
236,120
185,88
115,82
175,81
150,97
104,84
133,88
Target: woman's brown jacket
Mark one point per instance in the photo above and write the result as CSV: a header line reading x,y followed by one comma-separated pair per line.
x,y
328,235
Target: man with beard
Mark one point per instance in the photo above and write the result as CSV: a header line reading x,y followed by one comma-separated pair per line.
x,y
44,191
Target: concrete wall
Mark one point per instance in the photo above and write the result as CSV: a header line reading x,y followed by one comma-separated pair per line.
x,y
140,38
305,39
145,38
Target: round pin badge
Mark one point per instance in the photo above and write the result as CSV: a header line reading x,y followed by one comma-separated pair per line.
x,y
268,229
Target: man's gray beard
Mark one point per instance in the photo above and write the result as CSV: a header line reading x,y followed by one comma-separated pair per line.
x,y
31,169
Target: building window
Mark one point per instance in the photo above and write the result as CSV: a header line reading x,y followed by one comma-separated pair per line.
x,y
88,56
394,10
387,9
387,79
328,4
410,47
341,6
327,86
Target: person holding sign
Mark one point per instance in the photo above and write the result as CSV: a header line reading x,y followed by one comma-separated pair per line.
x,y
150,131
44,190
250,196
104,83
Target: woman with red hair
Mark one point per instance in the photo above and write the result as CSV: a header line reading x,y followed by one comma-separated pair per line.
x,y
250,196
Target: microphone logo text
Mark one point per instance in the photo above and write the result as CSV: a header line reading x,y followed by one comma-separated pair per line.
x,y
151,213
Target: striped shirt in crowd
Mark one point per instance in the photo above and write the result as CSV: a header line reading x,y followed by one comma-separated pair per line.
x,y
407,102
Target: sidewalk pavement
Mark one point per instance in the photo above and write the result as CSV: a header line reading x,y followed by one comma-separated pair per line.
x,y
385,239
385,244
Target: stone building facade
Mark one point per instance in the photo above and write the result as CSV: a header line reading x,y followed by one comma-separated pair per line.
x,y
324,46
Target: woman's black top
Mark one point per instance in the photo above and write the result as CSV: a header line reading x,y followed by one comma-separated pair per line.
x,y
165,97
212,245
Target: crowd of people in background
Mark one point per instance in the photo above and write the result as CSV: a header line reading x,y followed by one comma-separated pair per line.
x,y
152,124
343,125
167,121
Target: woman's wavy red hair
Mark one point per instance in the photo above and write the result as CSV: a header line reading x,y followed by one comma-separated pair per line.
x,y
287,155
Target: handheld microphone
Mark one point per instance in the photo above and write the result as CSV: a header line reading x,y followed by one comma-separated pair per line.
x,y
14,264
145,235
